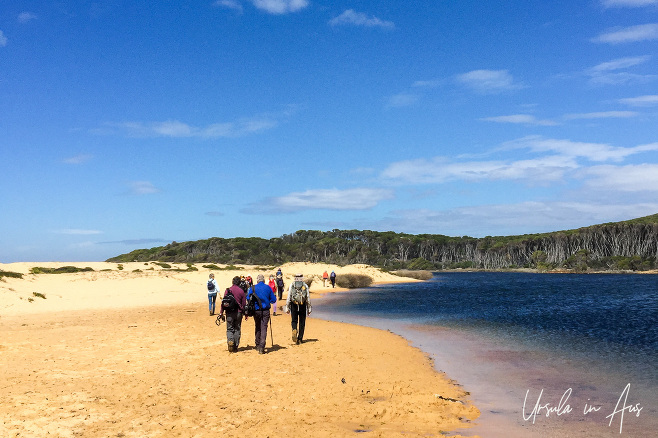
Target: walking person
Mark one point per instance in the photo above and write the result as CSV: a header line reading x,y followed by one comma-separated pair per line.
x,y
212,294
234,314
272,285
298,304
325,277
332,277
265,298
280,285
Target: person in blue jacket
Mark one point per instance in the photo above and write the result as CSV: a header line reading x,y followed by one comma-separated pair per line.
x,y
262,317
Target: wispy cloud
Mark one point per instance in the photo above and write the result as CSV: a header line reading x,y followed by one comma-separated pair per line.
x,y
607,73
352,18
402,100
432,83
78,232
78,159
214,213
3,39
595,152
230,4
142,188
630,178
488,81
641,32
647,100
322,199
628,3
280,7
602,115
178,129
524,119
24,17
439,170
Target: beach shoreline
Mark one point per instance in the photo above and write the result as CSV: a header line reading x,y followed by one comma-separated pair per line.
x,y
134,353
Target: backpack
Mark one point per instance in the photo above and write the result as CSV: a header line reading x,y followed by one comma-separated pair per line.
x,y
250,308
229,303
297,294
211,286
279,283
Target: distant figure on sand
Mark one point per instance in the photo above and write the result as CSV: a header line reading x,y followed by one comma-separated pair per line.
x,y
298,304
234,316
212,294
272,285
325,277
266,297
333,279
280,285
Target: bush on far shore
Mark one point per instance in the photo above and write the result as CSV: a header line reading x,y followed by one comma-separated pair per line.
x,y
418,275
351,281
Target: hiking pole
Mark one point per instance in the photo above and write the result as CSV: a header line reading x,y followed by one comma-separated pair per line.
x,y
271,333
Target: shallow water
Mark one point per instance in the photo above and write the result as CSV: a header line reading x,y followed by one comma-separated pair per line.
x,y
582,338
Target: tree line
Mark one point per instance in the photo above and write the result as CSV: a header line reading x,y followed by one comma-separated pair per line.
x,y
628,245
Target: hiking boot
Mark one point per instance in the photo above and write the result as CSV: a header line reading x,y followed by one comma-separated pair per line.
x,y
231,347
261,351
294,335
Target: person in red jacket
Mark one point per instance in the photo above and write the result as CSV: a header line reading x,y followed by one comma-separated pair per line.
x,y
272,284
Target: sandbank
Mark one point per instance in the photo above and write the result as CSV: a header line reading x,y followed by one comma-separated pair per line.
x,y
134,353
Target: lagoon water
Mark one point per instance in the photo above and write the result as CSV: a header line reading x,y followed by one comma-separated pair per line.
x,y
520,341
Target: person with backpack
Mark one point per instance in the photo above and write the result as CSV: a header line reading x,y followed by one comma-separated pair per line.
x,y
233,305
280,285
298,303
332,277
212,294
264,297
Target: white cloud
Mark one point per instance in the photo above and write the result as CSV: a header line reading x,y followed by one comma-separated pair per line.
x,y
323,199
647,100
630,178
229,4
78,232
402,100
620,63
78,159
24,17
178,129
602,115
596,152
279,7
3,39
440,170
351,17
142,188
607,73
628,3
488,81
641,32
524,119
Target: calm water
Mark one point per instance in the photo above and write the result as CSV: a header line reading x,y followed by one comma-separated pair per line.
x,y
591,333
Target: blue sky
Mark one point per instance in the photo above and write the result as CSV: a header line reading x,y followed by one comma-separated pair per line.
x,y
131,124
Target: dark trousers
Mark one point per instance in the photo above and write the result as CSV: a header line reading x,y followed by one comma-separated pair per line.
x,y
233,327
261,320
298,312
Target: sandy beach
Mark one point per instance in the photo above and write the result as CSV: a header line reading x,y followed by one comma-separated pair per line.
x,y
133,352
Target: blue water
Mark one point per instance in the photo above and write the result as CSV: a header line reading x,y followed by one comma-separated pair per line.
x,y
603,325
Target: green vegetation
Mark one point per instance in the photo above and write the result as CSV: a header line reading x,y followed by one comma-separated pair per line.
x,y
39,295
225,268
10,274
351,281
418,275
60,270
628,245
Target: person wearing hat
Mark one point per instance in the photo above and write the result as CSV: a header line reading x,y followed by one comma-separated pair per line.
x,y
212,294
298,304
266,298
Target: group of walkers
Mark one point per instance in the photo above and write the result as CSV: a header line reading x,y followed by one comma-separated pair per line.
x,y
244,299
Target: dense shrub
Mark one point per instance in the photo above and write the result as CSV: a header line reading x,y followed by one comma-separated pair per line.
x,y
350,281
61,270
418,275
10,274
